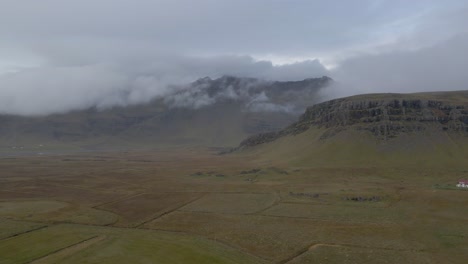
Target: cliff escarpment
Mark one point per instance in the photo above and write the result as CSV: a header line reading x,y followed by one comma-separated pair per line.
x,y
385,116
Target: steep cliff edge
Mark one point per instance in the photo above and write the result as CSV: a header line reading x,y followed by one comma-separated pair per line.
x,y
385,116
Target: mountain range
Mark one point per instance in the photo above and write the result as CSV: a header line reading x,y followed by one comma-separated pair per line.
x,y
208,112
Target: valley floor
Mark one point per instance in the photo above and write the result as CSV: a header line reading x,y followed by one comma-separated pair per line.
x,y
199,207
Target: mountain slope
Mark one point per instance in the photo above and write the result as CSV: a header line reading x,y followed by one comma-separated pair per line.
x,y
376,129
208,112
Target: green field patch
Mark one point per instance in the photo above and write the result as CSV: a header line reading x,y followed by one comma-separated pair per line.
x,y
10,228
278,238
452,240
232,203
37,244
323,253
69,243
141,208
338,213
270,238
148,247
58,256
436,206
45,190
23,209
80,215
277,215
55,211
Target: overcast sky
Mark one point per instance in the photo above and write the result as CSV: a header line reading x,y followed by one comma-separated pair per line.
x,y
58,55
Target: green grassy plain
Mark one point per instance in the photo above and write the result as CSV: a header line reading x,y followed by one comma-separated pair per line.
x,y
194,206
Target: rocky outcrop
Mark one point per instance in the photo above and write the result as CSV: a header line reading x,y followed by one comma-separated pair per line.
x,y
384,115
388,118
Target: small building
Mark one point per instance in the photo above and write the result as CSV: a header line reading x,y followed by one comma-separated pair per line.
x,y
462,184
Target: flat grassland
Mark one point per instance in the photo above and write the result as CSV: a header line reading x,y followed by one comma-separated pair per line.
x,y
195,206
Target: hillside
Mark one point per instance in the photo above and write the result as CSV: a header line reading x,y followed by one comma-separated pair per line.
x,y
208,113
385,129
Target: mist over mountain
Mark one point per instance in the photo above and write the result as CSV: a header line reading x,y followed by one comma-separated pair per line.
x,y
233,131
207,112
72,56
255,95
77,63
62,88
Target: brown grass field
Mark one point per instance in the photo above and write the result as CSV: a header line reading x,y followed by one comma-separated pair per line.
x,y
194,206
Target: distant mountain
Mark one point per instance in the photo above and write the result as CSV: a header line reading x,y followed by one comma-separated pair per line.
x,y
215,113
254,95
372,129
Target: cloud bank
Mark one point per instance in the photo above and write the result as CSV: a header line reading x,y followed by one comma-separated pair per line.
x,y
57,56
58,89
441,67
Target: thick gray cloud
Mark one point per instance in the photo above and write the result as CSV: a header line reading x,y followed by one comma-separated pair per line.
x,y
61,55
52,89
440,67
207,26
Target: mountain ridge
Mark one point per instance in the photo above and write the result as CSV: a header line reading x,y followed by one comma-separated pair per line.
x,y
385,115
374,130
207,112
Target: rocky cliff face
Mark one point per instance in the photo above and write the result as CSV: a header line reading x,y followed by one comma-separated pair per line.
x,y
384,115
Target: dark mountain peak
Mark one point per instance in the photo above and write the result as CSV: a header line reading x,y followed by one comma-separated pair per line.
x,y
224,80
306,84
235,79
253,94
203,80
236,82
323,79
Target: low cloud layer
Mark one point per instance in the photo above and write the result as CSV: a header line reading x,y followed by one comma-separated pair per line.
x,y
253,95
58,89
57,56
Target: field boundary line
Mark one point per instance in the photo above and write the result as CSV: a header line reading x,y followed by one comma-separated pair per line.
x,y
275,203
39,259
24,232
317,245
296,255
119,200
222,242
341,220
169,211
367,247
70,249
